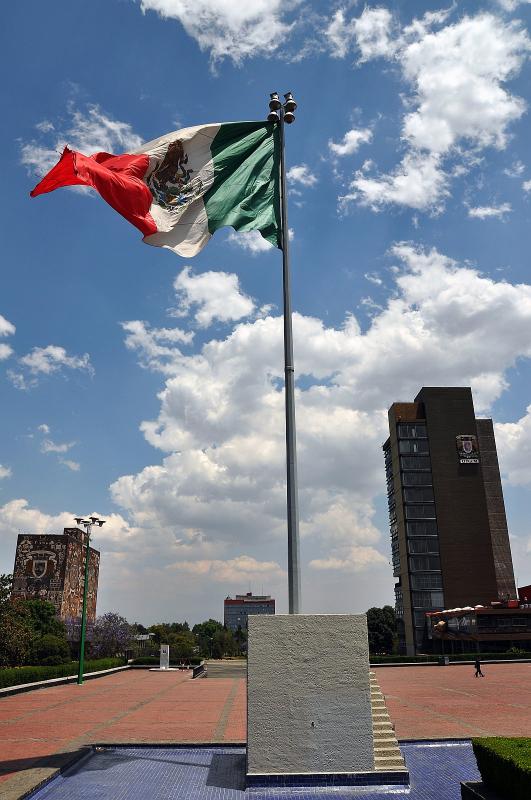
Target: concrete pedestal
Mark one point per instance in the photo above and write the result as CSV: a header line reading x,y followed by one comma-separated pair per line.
x,y
308,696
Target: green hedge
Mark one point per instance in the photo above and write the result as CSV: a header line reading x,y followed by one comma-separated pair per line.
x,y
436,656
150,661
505,765
14,676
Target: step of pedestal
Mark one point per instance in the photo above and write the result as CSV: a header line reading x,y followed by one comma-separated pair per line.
x,y
384,739
384,764
387,755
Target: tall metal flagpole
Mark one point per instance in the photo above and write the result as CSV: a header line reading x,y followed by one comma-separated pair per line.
x,y
285,116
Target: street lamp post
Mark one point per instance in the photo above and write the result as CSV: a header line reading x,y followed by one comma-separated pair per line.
x,y
87,524
282,113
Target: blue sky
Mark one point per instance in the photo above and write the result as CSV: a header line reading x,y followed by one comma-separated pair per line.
x,y
130,391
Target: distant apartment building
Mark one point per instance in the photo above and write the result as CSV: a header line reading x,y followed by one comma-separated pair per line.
x,y
236,611
449,538
52,567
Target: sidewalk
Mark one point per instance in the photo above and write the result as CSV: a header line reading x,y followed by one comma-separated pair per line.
x,y
38,728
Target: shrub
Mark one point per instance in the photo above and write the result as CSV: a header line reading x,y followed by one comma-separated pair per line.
x,y
505,765
15,676
50,650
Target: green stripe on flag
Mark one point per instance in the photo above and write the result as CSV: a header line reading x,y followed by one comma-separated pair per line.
x,y
246,189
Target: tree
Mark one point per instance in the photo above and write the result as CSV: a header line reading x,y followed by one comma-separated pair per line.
x,y
381,625
111,636
44,620
205,632
182,645
50,650
16,631
240,637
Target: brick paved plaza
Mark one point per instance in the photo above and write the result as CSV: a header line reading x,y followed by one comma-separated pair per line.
x,y
38,728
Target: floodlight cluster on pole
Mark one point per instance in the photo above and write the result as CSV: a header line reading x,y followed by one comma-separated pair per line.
x,y
87,524
283,113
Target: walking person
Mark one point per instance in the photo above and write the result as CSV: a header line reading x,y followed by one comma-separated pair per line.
x,y
478,668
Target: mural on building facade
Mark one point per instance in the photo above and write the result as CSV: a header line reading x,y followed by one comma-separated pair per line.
x,y
52,567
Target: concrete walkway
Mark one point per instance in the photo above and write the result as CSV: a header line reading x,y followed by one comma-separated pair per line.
x,y
40,730
446,702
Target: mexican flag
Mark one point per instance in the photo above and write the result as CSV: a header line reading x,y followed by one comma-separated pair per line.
x,y
182,187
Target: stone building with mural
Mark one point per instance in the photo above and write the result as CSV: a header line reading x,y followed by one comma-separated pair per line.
x,y
52,567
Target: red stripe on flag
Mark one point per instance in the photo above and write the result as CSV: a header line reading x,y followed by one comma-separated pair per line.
x,y
118,179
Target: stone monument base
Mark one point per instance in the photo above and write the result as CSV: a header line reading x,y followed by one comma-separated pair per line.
x,y
163,669
308,699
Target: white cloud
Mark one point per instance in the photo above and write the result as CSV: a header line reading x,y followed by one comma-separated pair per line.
x,y
6,329
351,142
526,186
251,241
340,34
373,277
219,488
457,74
373,32
44,429
513,440
460,104
512,5
213,506
17,516
74,466
214,295
515,170
301,174
227,29
48,446
53,358
157,346
5,351
89,131
46,361
5,472
486,212
238,571
418,182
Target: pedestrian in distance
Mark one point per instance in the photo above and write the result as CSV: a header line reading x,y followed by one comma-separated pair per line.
x,y
478,668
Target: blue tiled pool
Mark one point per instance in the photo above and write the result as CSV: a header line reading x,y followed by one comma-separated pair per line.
x,y
218,773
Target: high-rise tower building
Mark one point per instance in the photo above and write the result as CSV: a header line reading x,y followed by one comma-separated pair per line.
x,y
449,535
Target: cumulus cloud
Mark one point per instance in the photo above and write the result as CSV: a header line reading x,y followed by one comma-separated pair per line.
x,y
88,130
457,75
213,506
215,296
371,32
301,174
157,346
351,142
239,570
251,241
46,361
418,182
5,472
220,484
6,329
227,29
486,212
526,186
513,440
